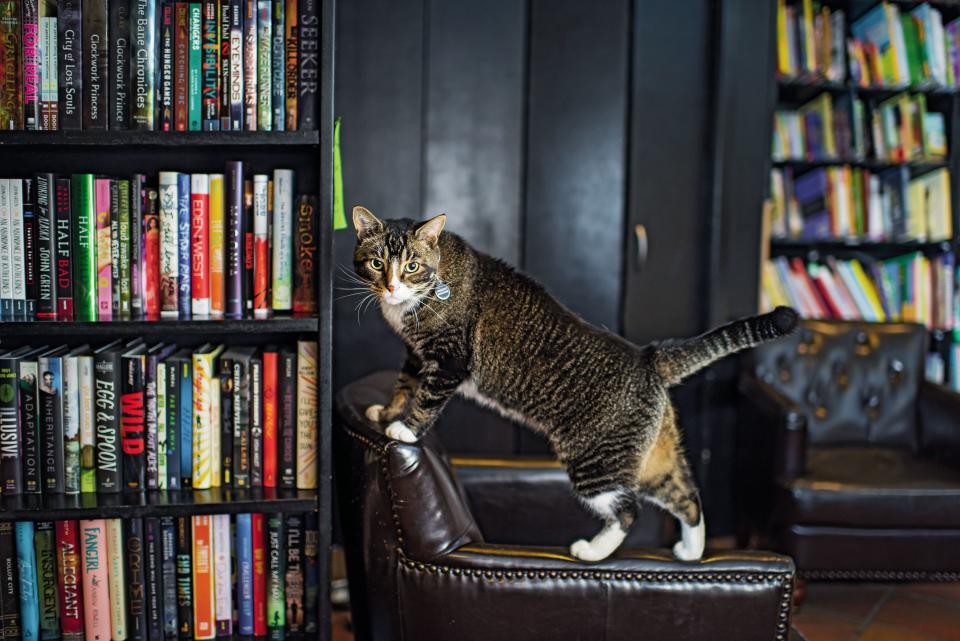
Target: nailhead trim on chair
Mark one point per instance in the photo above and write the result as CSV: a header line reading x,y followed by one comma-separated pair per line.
x,y
785,580
877,575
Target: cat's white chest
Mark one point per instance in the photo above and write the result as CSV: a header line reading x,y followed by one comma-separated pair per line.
x,y
394,314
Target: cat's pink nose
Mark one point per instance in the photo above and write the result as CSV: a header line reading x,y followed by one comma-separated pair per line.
x,y
390,288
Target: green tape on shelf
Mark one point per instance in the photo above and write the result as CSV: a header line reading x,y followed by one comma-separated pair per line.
x,y
339,219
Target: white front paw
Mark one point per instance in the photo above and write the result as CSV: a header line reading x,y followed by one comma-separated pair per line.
x,y
585,551
400,432
373,413
686,552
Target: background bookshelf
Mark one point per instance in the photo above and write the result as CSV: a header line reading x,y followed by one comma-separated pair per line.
x,y
795,85
310,155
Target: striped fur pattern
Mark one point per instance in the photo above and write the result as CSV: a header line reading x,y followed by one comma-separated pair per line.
x,y
503,341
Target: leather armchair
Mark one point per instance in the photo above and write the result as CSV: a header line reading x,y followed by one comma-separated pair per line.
x,y
850,461
430,560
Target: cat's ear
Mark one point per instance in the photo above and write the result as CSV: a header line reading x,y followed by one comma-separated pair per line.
x,y
365,222
429,231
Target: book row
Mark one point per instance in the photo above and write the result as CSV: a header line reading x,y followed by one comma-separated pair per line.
x,y
132,417
890,46
844,202
910,288
898,129
159,578
92,248
164,65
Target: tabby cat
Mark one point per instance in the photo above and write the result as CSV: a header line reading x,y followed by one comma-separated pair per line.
x,y
475,326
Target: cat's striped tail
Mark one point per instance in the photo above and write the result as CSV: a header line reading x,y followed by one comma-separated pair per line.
x,y
675,360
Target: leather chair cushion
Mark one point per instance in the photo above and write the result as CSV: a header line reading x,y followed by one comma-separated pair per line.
x,y
873,487
858,382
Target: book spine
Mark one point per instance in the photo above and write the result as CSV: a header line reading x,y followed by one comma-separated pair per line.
x,y
153,578
118,92
278,80
30,427
71,424
70,67
11,96
184,268
63,243
181,66
250,66
264,62
194,70
173,424
293,576
51,415
153,257
132,425
245,574
151,453
200,244
270,418
256,422
305,257
96,62
276,569
261,222
27,571
282,267
306,415
9,583
225,380
161,424
222,544
234,240
115,271
46,292
217,248
126,247
184,578
223,94
202,428
291,64
31,60
144,72
210,66
69,574
166,94
169,233
107,377
16,248
96,597
30,247
137,205
204,621
241,423
309,64
259,574
236,64
11,472
85,246
6,264
49,80
88,429
116,579
170,600
287,418
248,247
136,585
44,541
311,574
185,420
103,252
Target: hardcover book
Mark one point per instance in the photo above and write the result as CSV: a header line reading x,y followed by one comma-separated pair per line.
x,y
222,547
278,80
181,65
9,583
153,577
137,204
84,245
103,253
161,420
194,79
70,574
126,249
225,376
133,437
305,257
46,248
118,92
264,64
269,396
11,95
168,571
155,414
200,244
116,579
64,272
311,574
216,248
71,419
115,270
88,429
184,272
223,93
256,421
174,365
31,59
309,64
250,66
204,385
259,574
261,257
16,248
152,257
30,247
6,254
184,578
45,546
96,592
291,64
11,473
70,64
245,574
168,222
237,64
136,585
210,65
287,417
248,247
282,267
49,76
241,359
276,570
27,571
204,593
307,415
51,418
30,426
166,91
234,240
144,56
293,576
107,374
95,64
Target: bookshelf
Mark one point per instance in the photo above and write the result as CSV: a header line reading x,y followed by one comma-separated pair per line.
x,y
310,155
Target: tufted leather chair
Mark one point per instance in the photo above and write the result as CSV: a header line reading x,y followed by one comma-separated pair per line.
x,y
421,567
850,460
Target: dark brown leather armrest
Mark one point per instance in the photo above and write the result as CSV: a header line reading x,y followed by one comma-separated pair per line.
x,y
485,591
529,501
774,418
940,423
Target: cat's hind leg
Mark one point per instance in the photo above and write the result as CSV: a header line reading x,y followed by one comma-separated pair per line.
x,y
675,492
618,509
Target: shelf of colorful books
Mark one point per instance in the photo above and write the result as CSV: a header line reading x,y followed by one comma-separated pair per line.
x,y
56,507
793,86
826,247
161,328
160,138
803,165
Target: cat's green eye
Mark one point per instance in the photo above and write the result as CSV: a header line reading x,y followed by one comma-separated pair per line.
x,y
412,267
376,263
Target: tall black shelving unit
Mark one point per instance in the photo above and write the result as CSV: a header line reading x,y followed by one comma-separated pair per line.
x,y
310,154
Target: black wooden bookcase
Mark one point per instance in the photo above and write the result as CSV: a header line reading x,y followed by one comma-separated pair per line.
x,y
310,154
